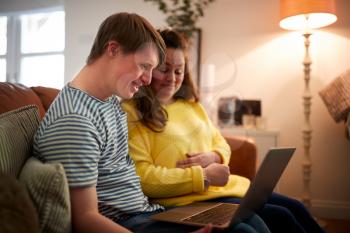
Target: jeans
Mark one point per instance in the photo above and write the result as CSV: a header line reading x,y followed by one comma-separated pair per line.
x,y
283,214
142,223
300,219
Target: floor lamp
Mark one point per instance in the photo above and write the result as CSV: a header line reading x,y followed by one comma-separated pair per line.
x,y
305,15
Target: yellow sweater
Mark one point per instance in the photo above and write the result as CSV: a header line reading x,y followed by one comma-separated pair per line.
x,y
188,129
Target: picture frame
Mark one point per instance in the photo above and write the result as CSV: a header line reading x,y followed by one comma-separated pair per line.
x,y
232,109
226,111
246,107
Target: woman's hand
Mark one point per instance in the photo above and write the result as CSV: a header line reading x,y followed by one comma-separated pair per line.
x,y
202,159
217,174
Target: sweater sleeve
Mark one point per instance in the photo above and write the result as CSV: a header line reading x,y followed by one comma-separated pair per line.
x,y
220,146
158,181
219,143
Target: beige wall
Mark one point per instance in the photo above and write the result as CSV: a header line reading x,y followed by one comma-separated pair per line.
x,y
254,58
82,25
268,66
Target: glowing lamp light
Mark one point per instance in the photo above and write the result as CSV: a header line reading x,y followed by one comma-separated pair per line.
x,y
306,14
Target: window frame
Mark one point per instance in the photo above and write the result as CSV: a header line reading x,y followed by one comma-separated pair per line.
x,y
13,54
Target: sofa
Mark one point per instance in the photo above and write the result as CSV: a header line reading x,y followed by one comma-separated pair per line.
x,y
36,194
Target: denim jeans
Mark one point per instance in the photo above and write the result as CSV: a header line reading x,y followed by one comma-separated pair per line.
x,y
142,223
283,214
279,208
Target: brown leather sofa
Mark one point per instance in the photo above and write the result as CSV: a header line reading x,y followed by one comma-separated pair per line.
x,y
12,96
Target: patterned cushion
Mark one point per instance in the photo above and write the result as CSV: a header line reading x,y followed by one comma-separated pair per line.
x,y
17,213
47,186
17,129
46,183
336,96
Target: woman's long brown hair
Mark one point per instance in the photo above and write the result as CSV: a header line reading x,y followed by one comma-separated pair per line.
x,y
151,112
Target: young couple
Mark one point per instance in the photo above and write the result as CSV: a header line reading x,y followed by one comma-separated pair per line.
x,y
173,144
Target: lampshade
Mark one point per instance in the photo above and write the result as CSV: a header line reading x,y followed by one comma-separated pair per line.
x,y
306,14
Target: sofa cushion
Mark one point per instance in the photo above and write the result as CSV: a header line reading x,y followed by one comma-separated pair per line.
x,y
17,213
336,97
17,129
14,96
48,187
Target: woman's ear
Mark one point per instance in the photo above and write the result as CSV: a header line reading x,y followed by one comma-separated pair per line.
x,y
113,48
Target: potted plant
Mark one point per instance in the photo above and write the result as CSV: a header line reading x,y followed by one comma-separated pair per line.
x,y
182,15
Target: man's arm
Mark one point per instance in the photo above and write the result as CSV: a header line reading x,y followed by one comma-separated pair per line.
x,y
87,219
85,215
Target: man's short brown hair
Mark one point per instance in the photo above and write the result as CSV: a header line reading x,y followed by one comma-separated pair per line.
x,y
131,31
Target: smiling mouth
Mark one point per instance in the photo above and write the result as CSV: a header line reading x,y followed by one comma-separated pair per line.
x,y
136,86
168,86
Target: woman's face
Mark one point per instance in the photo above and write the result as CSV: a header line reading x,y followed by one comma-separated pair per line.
x,y
167,78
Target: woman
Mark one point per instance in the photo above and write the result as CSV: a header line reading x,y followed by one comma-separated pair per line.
x,y
179,154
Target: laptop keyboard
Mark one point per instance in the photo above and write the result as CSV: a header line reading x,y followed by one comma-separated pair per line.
x,y
217,215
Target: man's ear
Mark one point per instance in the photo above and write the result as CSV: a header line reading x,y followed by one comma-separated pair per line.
x,y
113,48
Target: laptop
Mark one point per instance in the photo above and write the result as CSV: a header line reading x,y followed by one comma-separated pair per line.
x,y
223,215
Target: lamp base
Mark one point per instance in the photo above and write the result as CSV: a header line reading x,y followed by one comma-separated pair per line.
x,y
307,130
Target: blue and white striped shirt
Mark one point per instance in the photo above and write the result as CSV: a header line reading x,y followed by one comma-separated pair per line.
x,y
89,137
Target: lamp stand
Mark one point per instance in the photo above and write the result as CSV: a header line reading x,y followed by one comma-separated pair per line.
x,y
306,198
307,163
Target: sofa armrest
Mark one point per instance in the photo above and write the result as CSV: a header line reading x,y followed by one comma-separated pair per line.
x,y
46,95
243,156
14,95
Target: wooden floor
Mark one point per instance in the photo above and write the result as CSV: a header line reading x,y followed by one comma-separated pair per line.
x,y
337,226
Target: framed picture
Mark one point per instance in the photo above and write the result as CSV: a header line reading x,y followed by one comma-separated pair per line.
x,y
232,109
246,107
226,111
195,56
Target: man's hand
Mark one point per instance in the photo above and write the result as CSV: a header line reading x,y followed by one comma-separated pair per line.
x,y
202,159
217,174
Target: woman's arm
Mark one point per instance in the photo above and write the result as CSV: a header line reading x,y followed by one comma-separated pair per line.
x,y
219,144
220,151
202,159
160,181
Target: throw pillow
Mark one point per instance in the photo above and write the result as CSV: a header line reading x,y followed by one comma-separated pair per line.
x,y
48,187
17,213
17,129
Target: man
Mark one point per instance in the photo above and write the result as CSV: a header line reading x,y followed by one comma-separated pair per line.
x,y
85,128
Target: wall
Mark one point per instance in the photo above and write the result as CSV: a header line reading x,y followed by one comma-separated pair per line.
x,y
82,25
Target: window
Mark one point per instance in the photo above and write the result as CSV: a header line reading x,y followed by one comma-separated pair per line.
x,y
32,48
3,48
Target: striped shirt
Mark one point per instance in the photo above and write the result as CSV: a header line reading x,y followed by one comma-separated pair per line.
x,y
89,138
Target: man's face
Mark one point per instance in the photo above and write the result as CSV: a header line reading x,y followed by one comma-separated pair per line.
x,y
133,70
